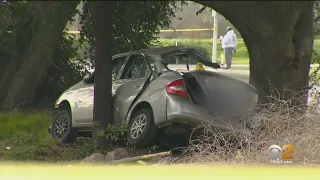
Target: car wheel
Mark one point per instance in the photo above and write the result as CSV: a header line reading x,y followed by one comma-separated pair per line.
x,y
141,129
61,127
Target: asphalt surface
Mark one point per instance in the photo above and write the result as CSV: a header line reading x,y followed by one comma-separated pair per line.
x,y
236,71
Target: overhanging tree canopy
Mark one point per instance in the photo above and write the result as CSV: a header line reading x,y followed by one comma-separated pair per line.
x,y
133,28
24,23
26,48
279,38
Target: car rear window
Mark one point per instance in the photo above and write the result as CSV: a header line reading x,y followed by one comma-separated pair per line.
x,y
179,59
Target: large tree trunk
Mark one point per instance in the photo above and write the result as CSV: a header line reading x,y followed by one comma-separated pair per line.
x,y
102,111
20,77
279,38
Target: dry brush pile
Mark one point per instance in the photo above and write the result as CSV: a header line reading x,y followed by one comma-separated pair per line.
x,y
276,123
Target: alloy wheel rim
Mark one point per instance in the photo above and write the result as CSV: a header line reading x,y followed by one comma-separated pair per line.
x,y
60,126
138,126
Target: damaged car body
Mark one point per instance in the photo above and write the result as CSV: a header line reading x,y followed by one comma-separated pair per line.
x,y
150,98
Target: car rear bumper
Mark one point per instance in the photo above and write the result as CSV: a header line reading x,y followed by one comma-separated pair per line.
x,y
180,110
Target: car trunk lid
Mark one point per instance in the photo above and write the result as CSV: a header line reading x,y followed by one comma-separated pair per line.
x,y
219,94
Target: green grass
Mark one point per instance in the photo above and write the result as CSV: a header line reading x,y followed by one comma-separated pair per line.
x,y
27,136
316,45
17,125
205,47
24,137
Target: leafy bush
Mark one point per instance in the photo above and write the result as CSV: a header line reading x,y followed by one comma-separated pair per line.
x,y
66,69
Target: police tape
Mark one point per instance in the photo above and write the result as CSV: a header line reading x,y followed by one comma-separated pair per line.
x,y
140,158
19,171
186,30
164,30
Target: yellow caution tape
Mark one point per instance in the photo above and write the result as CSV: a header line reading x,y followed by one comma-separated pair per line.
x,y
150,156
142,163
186,30
164,30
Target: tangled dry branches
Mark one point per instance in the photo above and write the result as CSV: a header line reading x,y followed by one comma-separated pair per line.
x,y
275,123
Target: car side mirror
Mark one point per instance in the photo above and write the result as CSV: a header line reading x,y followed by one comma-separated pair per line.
x,y
87,78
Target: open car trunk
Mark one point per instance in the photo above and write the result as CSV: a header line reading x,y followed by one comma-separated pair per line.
x,y
219,94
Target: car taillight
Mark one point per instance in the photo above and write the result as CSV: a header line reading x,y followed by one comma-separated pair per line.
x,y
177,88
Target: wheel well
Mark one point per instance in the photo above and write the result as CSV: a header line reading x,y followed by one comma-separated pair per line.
x,y
65,105
141,105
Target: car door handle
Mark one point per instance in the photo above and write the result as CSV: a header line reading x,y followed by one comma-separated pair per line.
x,y
137,87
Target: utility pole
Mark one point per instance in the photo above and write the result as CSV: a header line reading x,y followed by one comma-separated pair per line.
x,y
214,36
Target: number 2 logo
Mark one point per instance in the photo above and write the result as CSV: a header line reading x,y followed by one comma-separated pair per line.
x,y
287,149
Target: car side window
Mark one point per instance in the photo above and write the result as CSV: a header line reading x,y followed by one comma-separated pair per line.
x,y
137,67
117,64
178,58
151,62
195,58
145,68
182,58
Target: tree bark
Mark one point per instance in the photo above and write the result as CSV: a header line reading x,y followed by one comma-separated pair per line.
x,y
102,113
280,64
20,76
279,38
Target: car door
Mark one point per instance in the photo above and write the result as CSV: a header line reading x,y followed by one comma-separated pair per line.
x,y
135,76
85,95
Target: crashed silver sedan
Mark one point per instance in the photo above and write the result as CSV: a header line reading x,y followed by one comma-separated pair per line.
x,y
149,97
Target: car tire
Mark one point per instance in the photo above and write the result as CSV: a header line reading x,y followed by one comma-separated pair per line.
x,y
143,120
61,127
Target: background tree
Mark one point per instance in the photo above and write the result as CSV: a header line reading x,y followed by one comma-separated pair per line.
x,y
314,78
133,28
65,69
26,49
279,38
188,19
102,111
62,65
119,27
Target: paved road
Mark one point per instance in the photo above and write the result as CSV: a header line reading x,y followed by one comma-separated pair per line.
x,y
242,74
